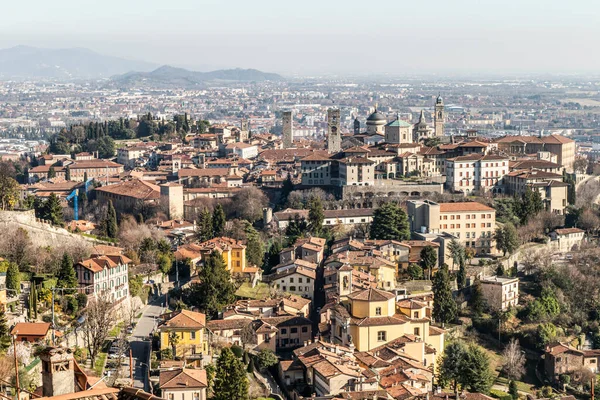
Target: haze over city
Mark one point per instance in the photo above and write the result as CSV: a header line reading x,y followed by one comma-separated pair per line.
x,y
322,37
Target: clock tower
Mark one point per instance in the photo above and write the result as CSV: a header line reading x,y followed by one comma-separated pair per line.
x,y
439,117
334,138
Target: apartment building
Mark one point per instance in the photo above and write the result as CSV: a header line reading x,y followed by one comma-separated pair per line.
x,y
550,186
129,156
316,169
476,173
358,171
105,276
472,223
296,280
189,328
500,292
183,384
564,148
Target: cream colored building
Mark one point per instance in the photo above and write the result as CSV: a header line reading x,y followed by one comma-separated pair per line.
x,y
566,239
316,170
563,147
183,384
500,292
357,171
472,223
476,173
550,186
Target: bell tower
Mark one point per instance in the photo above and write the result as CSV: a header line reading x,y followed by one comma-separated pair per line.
x,y
344,281
356,126
288,130
439,116
334,139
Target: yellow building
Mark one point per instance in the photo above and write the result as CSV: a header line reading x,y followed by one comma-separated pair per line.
x,y
185,331
371,318
233,252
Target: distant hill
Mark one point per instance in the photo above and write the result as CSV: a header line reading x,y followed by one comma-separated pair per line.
x,y
76,63
171,76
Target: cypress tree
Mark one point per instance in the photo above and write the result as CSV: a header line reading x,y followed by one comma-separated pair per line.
x,y
4,332
110,224
461,275
444,306
315,215
13,278
204,228
513,390
231,382
218,221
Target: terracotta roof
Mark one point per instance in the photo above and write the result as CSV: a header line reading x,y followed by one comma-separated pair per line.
x,y
183,379
31,329
371,294
135,188
464,207
567,231
184,319
228,324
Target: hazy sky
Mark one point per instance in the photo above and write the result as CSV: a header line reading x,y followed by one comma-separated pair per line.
x,y
326,36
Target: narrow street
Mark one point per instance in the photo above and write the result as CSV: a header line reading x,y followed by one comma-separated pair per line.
x,y
140,343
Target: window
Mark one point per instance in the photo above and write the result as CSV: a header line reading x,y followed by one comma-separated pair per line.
x,y
417,331
299,280
304,329
192,335
283,331
381,336
416,314
293,288
377,310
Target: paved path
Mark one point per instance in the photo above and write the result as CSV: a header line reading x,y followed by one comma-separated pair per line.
x,y
140,346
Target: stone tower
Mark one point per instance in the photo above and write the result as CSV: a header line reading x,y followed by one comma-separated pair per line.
x,y
288,130
244,131
334,138
171,196
58,371
356,126
439,117
344,281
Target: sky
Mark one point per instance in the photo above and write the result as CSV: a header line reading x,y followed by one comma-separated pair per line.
x,y
314,37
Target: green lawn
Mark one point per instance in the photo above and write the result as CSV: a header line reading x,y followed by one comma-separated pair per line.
x,y
116,330
260,291
99,365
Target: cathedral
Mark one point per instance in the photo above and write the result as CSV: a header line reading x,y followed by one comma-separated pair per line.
x,y
399,131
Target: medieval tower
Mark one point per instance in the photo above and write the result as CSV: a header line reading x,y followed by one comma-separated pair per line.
x,y
439,117
288,130
334,138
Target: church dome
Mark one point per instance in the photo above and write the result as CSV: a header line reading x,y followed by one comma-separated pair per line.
x,y
376,117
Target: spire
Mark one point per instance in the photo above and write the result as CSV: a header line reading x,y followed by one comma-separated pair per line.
x,y
422,117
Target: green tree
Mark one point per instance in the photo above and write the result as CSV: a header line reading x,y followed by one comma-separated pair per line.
x,y
315,215
507,238
51,172
478,375
286,189
215,289
296,228
66,275
266,358
165,264
231,382
571,191
477,302
457,251
13,277
9,188
173,342
110,223
272,258
513,390
546,333
444,306
52,210
135,285
466,367
255,250
414,271
218,221
390,223
4,331
452,365
428,259
204,228
461,274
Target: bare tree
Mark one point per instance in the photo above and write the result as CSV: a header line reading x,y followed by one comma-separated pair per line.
x,y
99,317
248,335
513,360
248,204
534,260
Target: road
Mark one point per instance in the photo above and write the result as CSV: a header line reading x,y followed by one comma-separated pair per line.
x,y
140,346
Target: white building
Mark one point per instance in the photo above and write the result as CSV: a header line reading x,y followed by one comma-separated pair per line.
x,y
476,172
242,150
566,239
500,292
298,280
106,276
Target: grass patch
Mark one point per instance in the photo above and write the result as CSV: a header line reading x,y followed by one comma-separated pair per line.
x,y
99,365
116,330
260,291
521,386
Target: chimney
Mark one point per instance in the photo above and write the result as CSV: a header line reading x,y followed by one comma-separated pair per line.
x,y
58,371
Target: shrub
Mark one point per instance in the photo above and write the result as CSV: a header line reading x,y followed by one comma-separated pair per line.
x,y
237,351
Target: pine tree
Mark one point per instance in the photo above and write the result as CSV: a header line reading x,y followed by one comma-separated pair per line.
x,y
66,274
444,306
13,278
478,376
390,223
4,332
110,223
231,382
255,250
52,210
204,229
315,215
513,390
218,221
